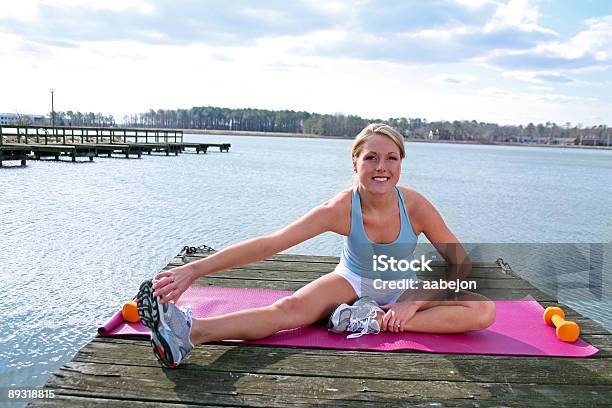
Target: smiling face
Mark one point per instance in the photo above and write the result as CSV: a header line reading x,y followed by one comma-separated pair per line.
x,y
378,165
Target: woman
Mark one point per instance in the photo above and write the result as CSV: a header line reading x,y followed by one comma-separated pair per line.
x,y
377,218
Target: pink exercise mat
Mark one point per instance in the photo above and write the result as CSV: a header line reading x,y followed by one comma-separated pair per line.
x,y
518,329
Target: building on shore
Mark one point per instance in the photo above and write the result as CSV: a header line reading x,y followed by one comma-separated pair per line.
x,y
22,119
594,140
565,141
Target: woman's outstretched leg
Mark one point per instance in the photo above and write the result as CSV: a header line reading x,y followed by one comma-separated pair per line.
x,y
174,332
308,305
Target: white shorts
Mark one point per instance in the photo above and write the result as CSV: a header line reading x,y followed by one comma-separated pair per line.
x,y
365,287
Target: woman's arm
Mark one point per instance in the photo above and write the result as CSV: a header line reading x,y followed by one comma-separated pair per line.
x,y
171,284
315,222
445,242
426,219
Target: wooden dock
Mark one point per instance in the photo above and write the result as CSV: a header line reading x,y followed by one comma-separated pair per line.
x,y
118,148
84,134
39,151
203,147
122,372
20,143
14,153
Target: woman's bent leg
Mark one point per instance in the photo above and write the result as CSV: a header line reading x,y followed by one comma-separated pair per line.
x,y
469,311
313,302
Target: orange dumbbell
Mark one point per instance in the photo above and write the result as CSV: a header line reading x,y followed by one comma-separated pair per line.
x,y
566,330
130,312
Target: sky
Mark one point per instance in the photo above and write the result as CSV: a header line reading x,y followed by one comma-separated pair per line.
x,y
503,61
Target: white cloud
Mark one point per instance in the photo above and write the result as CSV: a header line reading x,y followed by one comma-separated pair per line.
x,y
11,46
453,78
550,97
561,99
520,14
23,10
542,77
596,40
264,15
589,49
517,13
539,88
473,3
141,6
152,34
492,91
29,10
333,6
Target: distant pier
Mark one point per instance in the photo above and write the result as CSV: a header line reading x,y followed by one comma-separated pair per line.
x,y
22,143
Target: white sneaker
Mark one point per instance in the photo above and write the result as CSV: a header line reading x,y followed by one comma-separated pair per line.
x,y
360,318
170,326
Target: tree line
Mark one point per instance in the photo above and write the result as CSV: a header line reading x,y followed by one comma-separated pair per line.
x,y
262,120
340,125
68,118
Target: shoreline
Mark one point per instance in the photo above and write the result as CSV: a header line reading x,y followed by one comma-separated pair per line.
x,y
258,134
511,144
313,136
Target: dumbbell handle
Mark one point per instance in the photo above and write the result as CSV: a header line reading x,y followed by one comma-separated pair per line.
x,y
558,320
566,330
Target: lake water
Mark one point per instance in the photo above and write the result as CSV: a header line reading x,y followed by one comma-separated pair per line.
x,y
78,238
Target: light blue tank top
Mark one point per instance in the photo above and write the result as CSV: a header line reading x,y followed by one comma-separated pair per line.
x,y
358,251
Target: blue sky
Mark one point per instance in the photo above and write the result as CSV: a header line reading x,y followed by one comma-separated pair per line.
x,y
504,61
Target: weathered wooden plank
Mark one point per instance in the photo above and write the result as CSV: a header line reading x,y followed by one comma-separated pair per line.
x,y
330,259
317,268
194,384
602,341
66,400
497,294
393,366
305,277
284,258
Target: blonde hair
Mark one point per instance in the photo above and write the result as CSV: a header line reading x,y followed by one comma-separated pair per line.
x,y
377,129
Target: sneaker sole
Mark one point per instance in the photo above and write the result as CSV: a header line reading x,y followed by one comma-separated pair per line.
x,y
148,306
148,310
161,351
